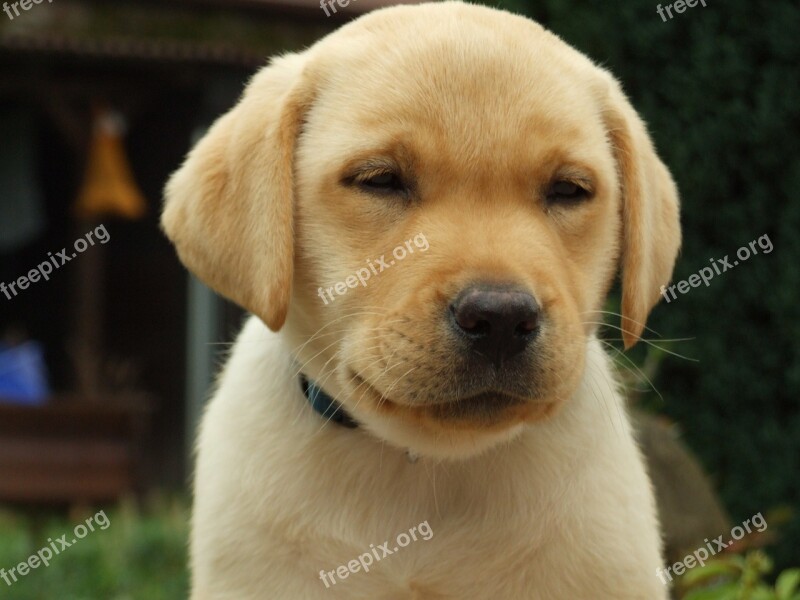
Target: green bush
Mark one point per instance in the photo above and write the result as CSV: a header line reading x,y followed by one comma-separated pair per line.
x,y
739,578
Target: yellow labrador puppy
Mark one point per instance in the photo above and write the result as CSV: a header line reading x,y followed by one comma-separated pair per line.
x,y
424,212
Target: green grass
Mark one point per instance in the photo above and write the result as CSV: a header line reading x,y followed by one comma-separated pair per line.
x,y
140,555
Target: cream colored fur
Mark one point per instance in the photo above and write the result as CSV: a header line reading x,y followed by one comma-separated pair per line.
x,y
565,511
483,111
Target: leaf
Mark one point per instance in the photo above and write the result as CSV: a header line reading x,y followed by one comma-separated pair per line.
x,y
708,571
762,592
729,591
787,584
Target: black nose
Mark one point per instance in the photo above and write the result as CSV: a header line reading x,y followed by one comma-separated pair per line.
x,y
499,321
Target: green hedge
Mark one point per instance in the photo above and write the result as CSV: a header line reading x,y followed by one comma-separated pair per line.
x,y
719,88
140,555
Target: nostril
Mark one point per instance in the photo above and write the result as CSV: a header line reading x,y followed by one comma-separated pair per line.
x,y
475,326
527,327
470,320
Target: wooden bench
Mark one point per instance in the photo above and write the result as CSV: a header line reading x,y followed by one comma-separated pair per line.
x,y
72,451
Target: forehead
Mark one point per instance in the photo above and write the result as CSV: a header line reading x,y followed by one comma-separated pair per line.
x,y
459,91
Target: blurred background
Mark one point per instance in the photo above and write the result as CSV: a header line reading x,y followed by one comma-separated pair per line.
x,y
107,351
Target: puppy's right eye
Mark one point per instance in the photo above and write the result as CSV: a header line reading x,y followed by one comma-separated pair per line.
x,y
383,182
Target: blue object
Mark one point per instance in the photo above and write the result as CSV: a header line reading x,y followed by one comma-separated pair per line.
x,y
23,377
326,406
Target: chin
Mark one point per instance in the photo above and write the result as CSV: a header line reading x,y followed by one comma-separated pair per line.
x,y
443,442
451,431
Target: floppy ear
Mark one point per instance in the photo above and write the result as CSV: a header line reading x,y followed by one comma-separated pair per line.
x,y
229,207
651,233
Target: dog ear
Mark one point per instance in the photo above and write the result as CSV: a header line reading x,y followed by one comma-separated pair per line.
x,y
229,207
651,233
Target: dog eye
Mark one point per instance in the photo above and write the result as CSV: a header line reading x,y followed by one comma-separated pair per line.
x,y
566,191
387,182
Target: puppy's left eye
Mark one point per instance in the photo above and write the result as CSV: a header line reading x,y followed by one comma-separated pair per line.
x,y
383,183
566,191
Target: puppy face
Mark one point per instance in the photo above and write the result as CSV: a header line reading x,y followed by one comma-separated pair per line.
x,y
509,170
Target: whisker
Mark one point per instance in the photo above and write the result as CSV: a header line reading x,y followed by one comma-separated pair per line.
x,y
592,372
385,395
336,410
644,340
634,365
314,335
378,328
361,352
660,340
616,314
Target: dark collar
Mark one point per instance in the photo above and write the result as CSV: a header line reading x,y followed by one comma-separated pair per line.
x,y
325,405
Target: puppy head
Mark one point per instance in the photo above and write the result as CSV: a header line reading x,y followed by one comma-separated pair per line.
x,y
443,213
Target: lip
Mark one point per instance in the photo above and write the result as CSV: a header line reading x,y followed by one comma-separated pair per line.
x,y
483,406
490,408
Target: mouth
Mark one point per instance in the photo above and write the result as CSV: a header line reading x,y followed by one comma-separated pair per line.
x,y
489,409
482,407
